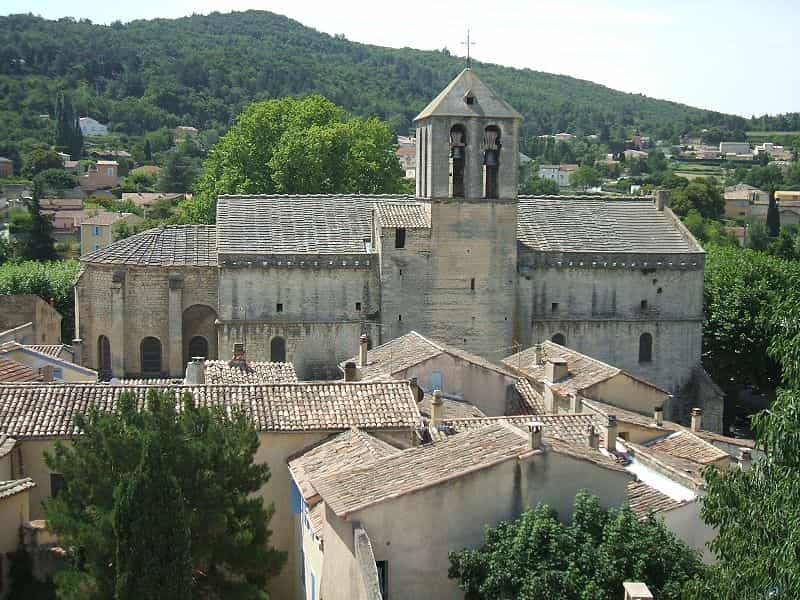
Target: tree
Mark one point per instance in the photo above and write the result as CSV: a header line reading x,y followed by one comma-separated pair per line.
x,y
209,453
756,512
33,233
702,195
584,177
178,173
67,136
152,528
291,146
588,558
55,180
38,160
539,186
773,216
148,152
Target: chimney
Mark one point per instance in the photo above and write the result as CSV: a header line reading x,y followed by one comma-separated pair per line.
x,y
418,394
592,439
350,371
363,342
535,434
196,371
538,354
663,199
47,373
658,415
611,433
745,459
437,408
555,369
697,419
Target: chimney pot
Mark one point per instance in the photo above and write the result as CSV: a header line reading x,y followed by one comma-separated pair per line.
x,y
591,437
350,371
437,408
611,433
555,369
418,395
663,199
47,373
196,371
658,415
697,419
745,459
363,343
538,354
535,434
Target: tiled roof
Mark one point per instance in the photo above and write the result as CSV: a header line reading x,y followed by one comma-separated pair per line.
x,y
47,355
11,488
689,471
29,410
596,224
567,427
179,245
349,450
450,101
61,351
410,215
712,437
420,467
323,224
685,444
411,349
531,399
645,500
584,371
144,199
12,371
6,444
453,409
106,218
223,371
626,416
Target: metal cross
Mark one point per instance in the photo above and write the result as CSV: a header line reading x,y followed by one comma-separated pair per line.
x,y
468,44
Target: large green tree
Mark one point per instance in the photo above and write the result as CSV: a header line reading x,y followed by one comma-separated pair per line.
x,y
209,453
32,233
702,195
293,146
584,177
38,160
589,558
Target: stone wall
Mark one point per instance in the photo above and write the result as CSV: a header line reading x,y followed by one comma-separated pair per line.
x,y
18,309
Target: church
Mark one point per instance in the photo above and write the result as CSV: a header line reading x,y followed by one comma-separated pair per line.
x,y
467,261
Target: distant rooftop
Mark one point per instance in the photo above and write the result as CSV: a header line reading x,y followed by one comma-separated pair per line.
x,y
185,245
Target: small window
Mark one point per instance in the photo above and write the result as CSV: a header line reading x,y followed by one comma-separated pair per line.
x,y
358,306
277,350
559,339
554,307
645,348
57,484
469,100
279,307
400,237
58,373
96,230
472,284
399,317
437,381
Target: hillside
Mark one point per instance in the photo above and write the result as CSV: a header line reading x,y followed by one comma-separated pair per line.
x,y
202,70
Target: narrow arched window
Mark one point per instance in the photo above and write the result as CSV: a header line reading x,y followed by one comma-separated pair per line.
x,y
491,162
277,349
198,347
103,358
458,146
559,339
645,348
150,351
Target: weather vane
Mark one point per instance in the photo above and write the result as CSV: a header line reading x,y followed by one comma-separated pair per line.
x,y
468,44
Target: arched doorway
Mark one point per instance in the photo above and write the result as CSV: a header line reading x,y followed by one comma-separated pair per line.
x,y
103,358
277,349
150,355
199,323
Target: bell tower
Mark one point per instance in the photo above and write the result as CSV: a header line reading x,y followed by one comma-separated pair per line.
x,y
467,169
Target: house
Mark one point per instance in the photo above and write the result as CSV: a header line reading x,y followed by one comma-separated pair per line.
x,y
407,155
67,223
110,154
788,207
91,127
461,376
49,364
735,148
146,200
631,153
558,173
6,167
28,319
96,231
739,199
100,175
184,132
563,136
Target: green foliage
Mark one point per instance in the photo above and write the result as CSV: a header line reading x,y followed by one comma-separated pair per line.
x,y
55,180
210,455
708,230
773,217
38,160
588,558
152,530
702,195
178,173
32,233
584,177
67,137
294,146
757,514
538,185
47,280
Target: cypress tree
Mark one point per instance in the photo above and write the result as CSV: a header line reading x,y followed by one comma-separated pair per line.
x,y
61,138
153,532
148,152
773,216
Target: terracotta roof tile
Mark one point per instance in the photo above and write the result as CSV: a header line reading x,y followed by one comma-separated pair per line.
x,y
453,408
7,444
16,486
61,351
46,411
645,500
685,444
223,371
531,399
411,215
12,371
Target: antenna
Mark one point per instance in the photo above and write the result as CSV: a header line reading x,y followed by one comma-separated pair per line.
x,y
468,44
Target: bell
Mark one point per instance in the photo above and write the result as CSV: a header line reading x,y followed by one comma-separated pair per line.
x,y
490,158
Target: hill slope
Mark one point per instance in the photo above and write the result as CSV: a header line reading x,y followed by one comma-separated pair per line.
x,y
202,70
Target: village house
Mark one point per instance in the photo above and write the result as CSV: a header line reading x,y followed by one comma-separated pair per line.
x,y
735,149
100,175
146,200
97,230
558,173
28,319
51,362
740,198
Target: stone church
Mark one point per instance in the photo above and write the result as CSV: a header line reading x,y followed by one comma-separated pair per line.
x,y
466,261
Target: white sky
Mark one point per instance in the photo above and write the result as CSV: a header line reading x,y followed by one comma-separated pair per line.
x,y
734,56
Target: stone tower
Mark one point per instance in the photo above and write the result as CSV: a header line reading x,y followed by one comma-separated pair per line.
x,y
467,169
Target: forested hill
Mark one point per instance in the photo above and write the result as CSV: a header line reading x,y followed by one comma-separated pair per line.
x,y
202,70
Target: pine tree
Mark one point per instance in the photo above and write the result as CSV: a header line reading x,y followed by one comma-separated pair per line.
x,y
148,152
33,232
773,217
153,533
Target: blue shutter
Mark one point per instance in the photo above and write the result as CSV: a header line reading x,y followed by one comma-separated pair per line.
x,y
297,499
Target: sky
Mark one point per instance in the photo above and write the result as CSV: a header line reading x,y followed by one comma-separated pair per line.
x,y
733,56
